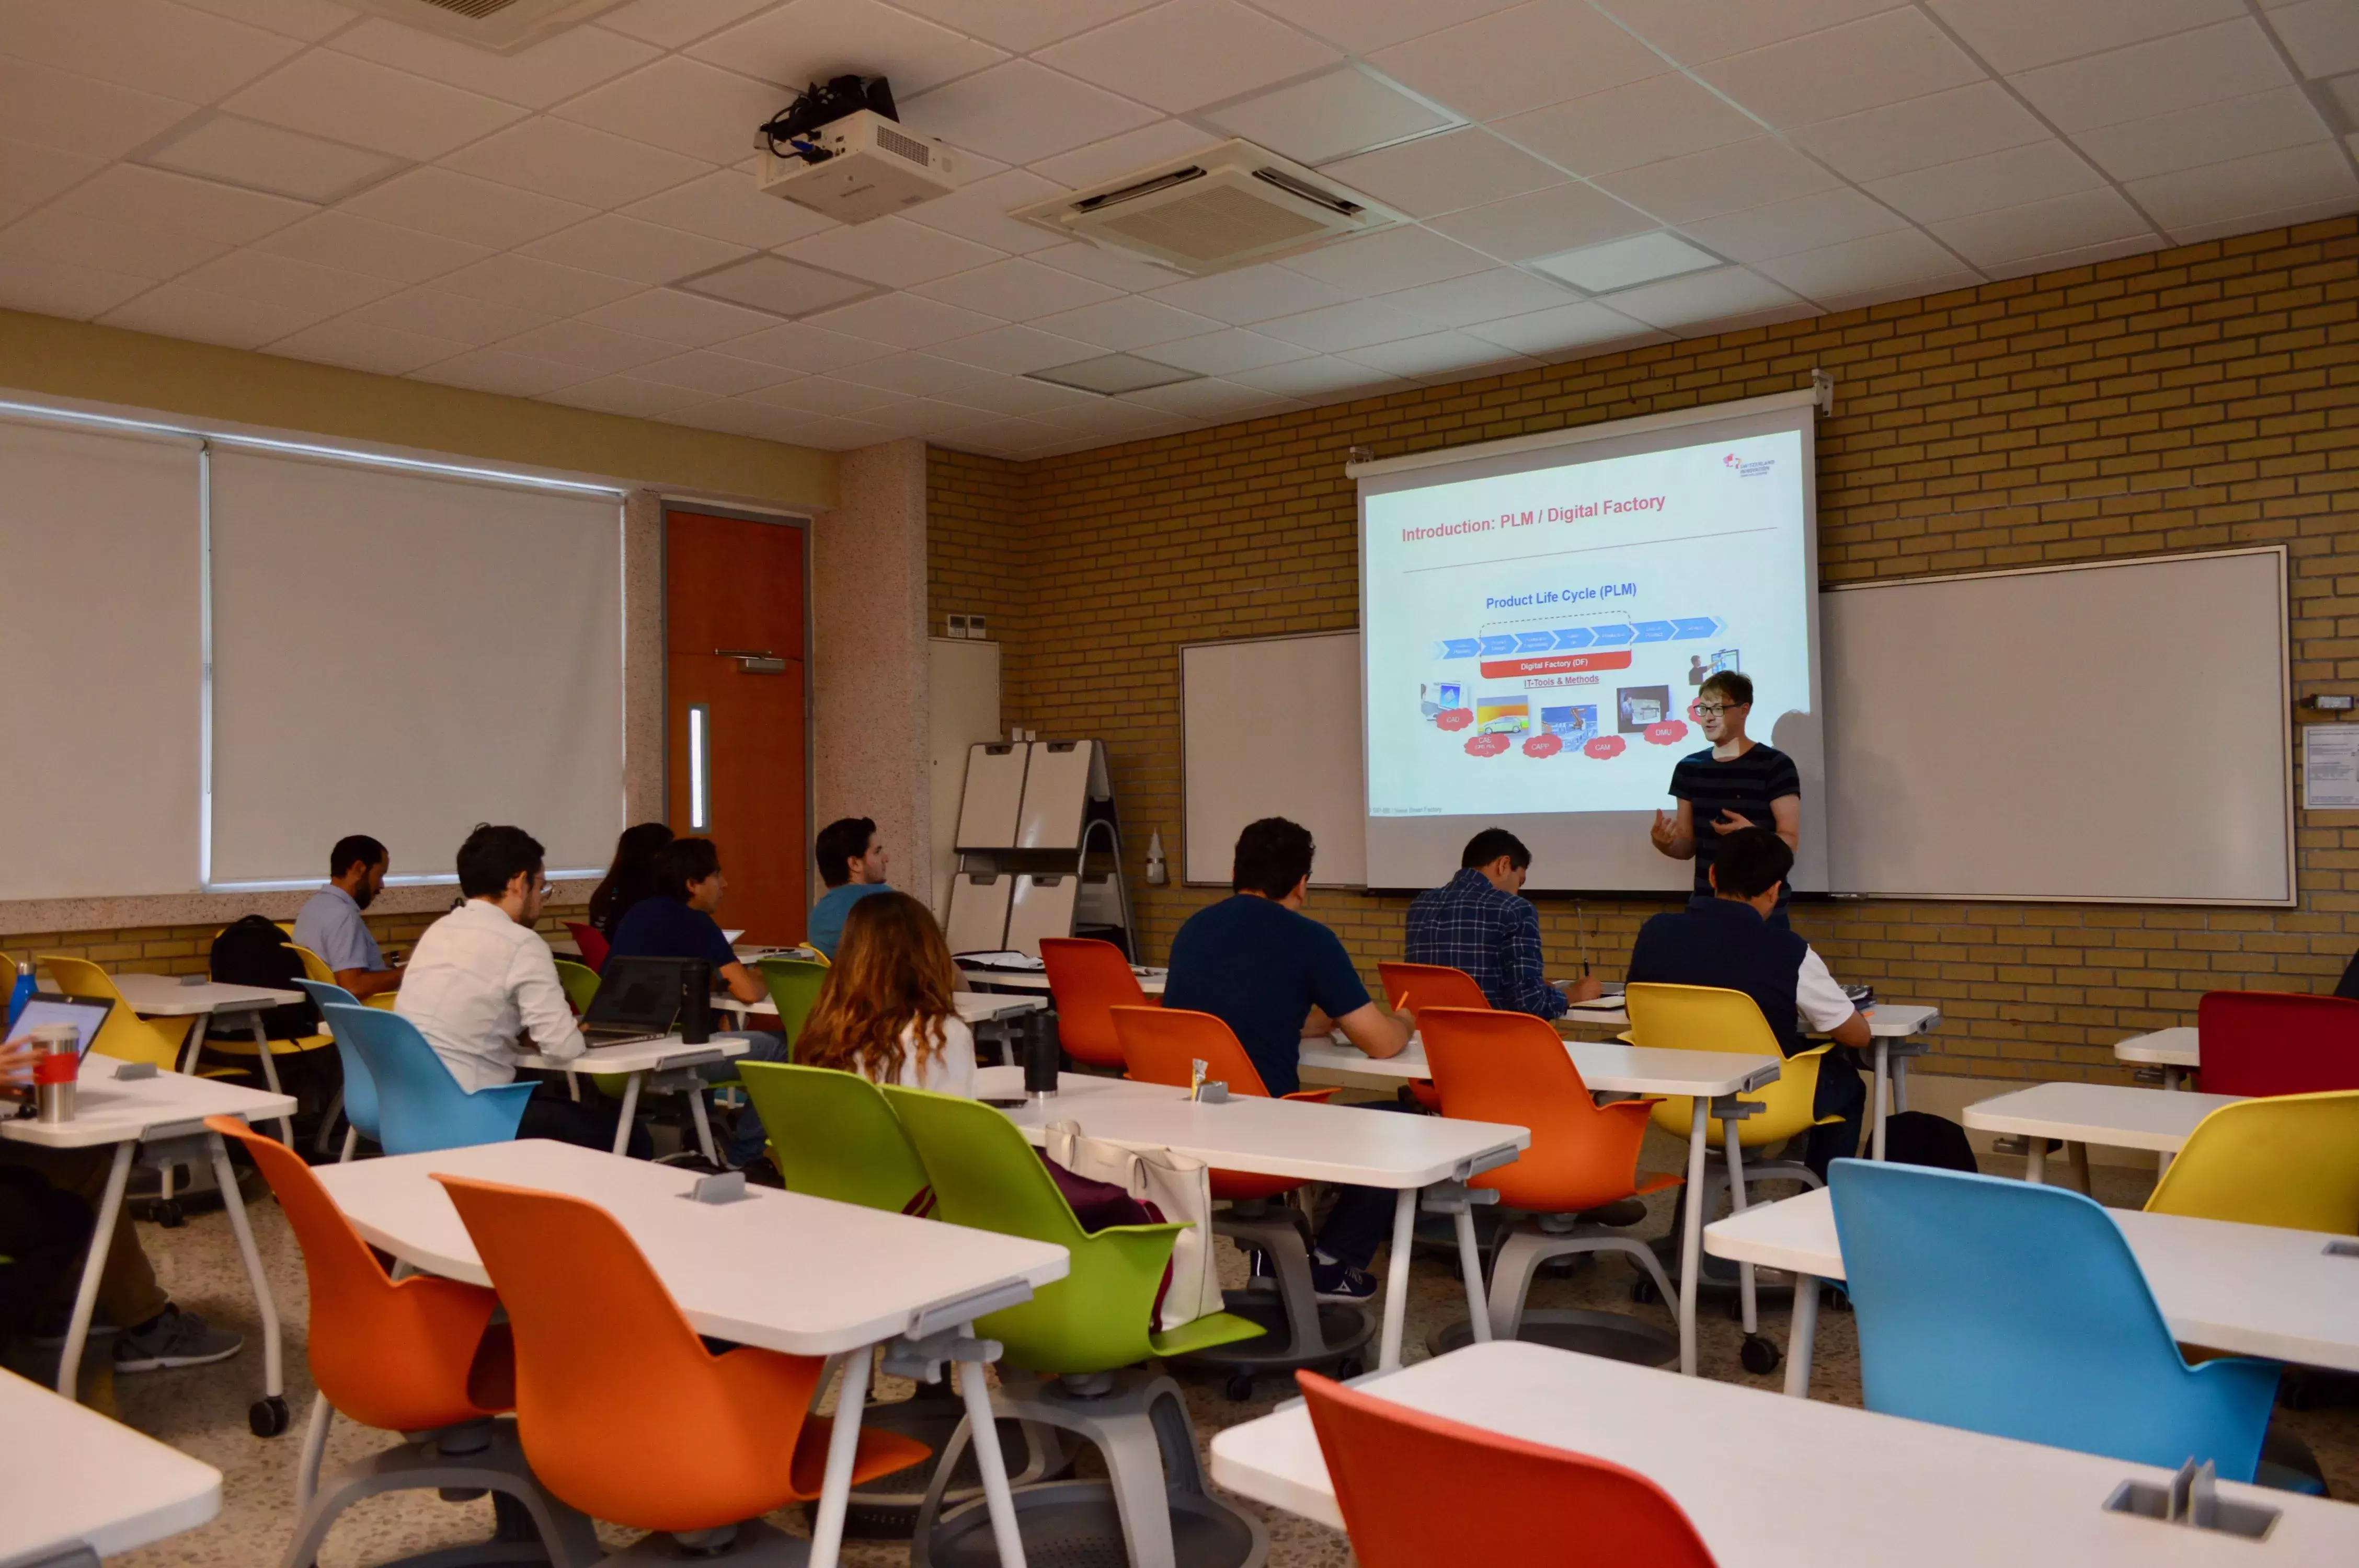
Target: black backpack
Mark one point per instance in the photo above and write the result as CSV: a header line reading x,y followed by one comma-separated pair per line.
x,y
1920,1138
254,952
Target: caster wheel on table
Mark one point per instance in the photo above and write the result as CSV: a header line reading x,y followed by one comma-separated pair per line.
x,y
1759,1356
169,1213
1239,1387
268,1418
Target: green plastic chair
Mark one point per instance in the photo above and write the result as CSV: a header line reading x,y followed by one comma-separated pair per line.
x,y
832,1135
794,988
581,983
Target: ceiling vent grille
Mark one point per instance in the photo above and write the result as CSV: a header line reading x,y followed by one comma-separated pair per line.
x,y
1228,207
502,25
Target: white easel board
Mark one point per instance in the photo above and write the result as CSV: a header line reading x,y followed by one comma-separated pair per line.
x,y
1057,793
1042,906
995,796
978,922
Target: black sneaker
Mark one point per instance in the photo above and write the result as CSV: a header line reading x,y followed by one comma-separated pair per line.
x,y
1341,1282
175,1339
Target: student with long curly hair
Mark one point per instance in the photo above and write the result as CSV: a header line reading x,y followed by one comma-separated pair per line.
x,y
886,1011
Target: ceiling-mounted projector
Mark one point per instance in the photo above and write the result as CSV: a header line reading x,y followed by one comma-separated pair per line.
x,y
839,150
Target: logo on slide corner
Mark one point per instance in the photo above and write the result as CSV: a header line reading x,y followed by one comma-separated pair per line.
x,y
1744,469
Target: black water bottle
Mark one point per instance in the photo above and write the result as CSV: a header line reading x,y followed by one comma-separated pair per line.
x,y
695,1003
1042,1057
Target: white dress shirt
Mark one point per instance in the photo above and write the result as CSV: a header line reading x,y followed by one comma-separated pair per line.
x,y
1816,997
476,981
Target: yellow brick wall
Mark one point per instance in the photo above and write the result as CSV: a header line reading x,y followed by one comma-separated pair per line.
x,y
2185,400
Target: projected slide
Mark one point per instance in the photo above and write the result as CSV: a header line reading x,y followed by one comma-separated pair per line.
x,y
1535,641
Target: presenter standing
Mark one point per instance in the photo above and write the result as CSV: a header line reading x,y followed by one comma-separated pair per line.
x,y
1736,785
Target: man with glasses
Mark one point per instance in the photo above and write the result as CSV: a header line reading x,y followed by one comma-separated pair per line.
x,y
1735,784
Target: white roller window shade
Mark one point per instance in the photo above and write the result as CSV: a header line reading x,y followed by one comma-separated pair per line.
x,y
405,655
100,650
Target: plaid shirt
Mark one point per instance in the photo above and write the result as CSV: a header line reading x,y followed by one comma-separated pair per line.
x,y
1495,937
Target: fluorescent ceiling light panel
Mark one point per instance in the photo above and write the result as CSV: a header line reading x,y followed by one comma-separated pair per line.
x,y
1619,263
1111,373
267,157
778,285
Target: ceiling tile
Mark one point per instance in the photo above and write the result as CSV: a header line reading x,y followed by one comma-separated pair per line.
x,y
1402,257
298,286
80,114
1732,294
1086,260
575,163
2322,35
1696,32
1364,26
1184,54
2254,222
918,375
357,244
496,369
809,349
674,23
1435,175
1018,395
30,175
1859,65
553,69
130,195
905,321
629,396
356,345
2019,34
825,394
2040,228
1434,354
1017,290
1118,157
921,417
891,251
247,153
1846,271
1023,25
1982,184
1623,264
533,285
310,20
2231,59
2291,176
1328,116
723,375
1003,438
2207,133
626,247
1805,223
1220,353
434,313
671,316
1509,62
1661,118
70,240
1022,111
724,205
1320,379
1251,294
324,93
1482,297
1545,222
1355,325
2085,256
52,289
1940,127
595,350
461,207
778,286
682,105
1208,400
143,44
202,315
1557,333
811,40
978,211
1911,289
1726,180
1013,351
1132,323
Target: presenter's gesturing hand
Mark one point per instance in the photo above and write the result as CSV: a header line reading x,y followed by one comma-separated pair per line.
x,y
1674,836
1729,823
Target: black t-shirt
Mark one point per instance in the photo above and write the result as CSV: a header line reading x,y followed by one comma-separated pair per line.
x,y
1745,785
1261,968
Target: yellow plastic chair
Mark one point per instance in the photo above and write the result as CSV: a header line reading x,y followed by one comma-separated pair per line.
x,y
126,1036
2290,1161
314,968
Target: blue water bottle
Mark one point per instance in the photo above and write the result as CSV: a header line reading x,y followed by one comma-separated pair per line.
x,y
23,992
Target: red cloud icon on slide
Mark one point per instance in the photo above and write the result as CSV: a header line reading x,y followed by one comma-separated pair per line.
x,y
1605,746
1487,745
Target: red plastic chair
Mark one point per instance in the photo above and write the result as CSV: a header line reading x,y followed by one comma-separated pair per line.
x,y
1089,978
1421,1491
2277,1042
1412,987
591,942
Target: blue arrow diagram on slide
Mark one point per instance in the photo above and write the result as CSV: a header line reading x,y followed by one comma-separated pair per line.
x,y
1573,637
1656,630
1457,648
1609,636
1497,647
1535,642
1697,626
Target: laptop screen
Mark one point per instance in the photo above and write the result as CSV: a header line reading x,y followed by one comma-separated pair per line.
x,y
86,1014
637,993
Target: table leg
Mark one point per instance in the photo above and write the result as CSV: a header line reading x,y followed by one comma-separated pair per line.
x,y
1804,1337
1397,1278
1470,1265
270,1073
703,1126
2076,1156
2174,1078
842,1447
2035,1158
1899,1085
274,1380
196,1044
93,1264
982,1431
1691,1237
1875,1105
630,1109
1734,1157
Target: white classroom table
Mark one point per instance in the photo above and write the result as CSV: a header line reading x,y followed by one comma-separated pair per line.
x,y
2117,1116
974,1007
1609,1066
164,996
649,1064
166,1113
1346,1145
2248,1290
1149,981
781,1270
75,1479
1777,1483
2172,1049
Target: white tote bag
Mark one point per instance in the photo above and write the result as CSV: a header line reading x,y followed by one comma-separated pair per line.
x,y
1180,1186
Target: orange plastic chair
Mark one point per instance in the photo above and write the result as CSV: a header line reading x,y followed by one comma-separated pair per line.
x,y
1162,1044
1413,988
1089,978
1422,1491
623,1412
420,1355
1512,1067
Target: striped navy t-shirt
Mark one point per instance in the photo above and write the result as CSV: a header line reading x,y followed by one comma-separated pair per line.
x,y
1745,784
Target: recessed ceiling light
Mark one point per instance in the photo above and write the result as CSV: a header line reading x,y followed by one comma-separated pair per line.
x,y
1619,263
1110,373
778,285
267,157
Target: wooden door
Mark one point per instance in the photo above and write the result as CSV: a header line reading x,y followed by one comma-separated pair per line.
x,y
736,586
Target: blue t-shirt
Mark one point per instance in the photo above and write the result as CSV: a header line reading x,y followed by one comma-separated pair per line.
x,y
1260,968
331,927
826,927
664,927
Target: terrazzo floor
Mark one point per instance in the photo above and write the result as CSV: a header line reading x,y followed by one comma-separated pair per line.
x,y
202,1410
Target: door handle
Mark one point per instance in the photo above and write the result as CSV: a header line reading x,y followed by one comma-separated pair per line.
x,y
754,661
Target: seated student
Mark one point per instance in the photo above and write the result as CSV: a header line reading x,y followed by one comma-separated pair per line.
x,y
331,922
1273,975
481,977
852,864
886,1011
677,922
1477,923
630,878
1727,940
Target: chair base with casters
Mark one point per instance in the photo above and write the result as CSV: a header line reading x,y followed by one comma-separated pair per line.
x,y
1152,1510
484,1456
887,1509
1298,1329
753,1544
1524,1243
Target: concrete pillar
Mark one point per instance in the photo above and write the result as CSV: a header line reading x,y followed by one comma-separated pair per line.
x,y
643,657
868,658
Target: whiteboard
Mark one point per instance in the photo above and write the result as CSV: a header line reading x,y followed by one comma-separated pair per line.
x,y
2113,733
1270,727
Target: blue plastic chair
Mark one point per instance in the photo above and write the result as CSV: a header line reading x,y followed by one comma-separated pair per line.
x,y
2019,1310
359,1094
420,1107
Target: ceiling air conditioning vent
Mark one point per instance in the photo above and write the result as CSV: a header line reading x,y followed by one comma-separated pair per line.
x,y
504,25
1228,207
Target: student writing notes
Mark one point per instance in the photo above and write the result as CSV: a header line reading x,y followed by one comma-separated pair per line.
x,y
1476,922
